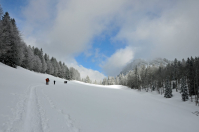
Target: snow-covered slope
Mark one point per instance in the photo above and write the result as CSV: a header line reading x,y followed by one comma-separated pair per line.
x,y
28,105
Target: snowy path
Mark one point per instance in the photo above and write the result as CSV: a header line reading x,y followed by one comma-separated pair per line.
x,y
34,119
67,119
28,116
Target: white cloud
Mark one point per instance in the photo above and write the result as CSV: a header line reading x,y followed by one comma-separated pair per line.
x,y
37,11
30,41
170,33
68,27
113,65
78,22
93,74
65,28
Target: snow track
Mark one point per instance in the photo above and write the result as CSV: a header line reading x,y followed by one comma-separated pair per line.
x,y
34,121
68,121
28,116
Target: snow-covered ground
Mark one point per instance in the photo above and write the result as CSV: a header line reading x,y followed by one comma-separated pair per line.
x,y
28,105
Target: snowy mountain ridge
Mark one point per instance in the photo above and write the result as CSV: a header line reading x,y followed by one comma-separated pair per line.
x,y
140,62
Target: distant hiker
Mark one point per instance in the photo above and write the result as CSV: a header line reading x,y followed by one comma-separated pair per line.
x,y
65,81
54,82
47,81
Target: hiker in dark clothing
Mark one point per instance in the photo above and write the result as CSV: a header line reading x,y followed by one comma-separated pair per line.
x,y
54,82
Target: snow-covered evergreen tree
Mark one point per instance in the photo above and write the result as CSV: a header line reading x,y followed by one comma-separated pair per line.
x,y
168,90
50,68
5,27
61,70
39,53
28,58
197,79
59,74
146,79
75,75
87,79
136,79
184,90
37,65
6,39
142,75
44,64
190,77
105,81
123,79
1,11
67,73
16,53
111,80
117,80
159,80
55,66
130,79
11,46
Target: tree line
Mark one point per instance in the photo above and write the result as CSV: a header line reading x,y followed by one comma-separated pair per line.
x,y
183,76
14,52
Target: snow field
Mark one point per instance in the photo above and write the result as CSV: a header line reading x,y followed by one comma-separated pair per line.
x,y
28,105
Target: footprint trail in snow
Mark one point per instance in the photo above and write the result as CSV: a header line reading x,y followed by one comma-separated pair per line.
x,y
28,116
68,121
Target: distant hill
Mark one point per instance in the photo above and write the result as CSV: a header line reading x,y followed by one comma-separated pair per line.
x,y
139,62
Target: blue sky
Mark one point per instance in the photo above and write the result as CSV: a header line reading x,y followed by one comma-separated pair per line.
x,y
15,7
100,37
102,48
101,43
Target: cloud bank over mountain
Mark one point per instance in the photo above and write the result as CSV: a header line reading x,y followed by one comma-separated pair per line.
x,y
157,28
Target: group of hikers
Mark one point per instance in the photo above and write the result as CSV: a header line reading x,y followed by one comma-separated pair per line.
x,y
48,80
